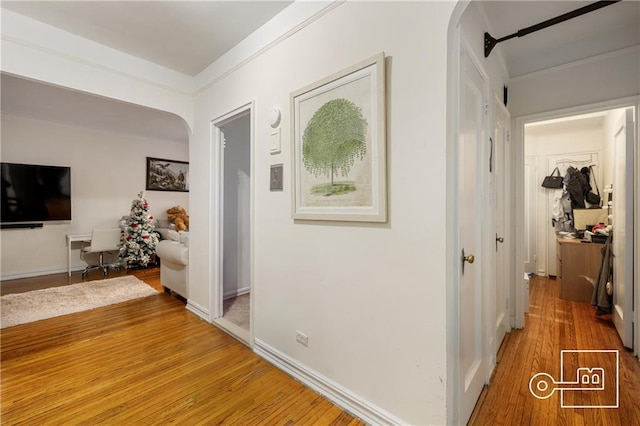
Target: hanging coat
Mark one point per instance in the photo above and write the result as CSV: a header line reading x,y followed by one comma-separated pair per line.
x,y
600,299
576,185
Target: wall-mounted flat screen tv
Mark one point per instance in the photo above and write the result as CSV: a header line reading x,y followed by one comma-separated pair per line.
x,y
35,193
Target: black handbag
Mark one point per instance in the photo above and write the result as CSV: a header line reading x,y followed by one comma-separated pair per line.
x,y
553,181
591,198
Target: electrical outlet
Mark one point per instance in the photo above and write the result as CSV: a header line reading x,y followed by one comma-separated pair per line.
x,y
302,338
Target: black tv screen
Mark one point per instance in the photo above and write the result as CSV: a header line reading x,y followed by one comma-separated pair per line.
x,y
35,193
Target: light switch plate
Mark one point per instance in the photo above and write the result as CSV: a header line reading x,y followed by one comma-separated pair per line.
x,y
276,143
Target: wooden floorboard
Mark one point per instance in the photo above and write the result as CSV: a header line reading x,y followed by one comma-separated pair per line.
x,y
146,361
552,325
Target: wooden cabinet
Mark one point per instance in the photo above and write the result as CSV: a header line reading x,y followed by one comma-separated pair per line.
x,y
575,260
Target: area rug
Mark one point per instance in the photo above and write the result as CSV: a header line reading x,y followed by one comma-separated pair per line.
x,y
21,308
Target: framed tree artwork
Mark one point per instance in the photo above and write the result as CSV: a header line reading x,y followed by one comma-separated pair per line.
x,y
167,175
339,146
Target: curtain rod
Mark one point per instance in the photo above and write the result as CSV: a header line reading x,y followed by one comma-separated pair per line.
x,y
490,42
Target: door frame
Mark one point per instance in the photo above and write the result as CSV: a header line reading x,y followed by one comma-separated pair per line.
x,y
216,207
501,115
518,179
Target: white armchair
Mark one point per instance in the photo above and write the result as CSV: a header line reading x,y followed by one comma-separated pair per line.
x,y
174,264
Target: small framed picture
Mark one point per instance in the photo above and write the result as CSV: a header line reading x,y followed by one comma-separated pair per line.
x,y
275,183
167,175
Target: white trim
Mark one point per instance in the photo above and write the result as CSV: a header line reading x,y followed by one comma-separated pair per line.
x,y
452,282
48,51
287,23
236,293
341,396
216,237
44,38
517,160
636,235
518,178
200,311
40,272
501,116
233,330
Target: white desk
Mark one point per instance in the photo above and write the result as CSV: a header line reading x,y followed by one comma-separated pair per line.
x,y
71,238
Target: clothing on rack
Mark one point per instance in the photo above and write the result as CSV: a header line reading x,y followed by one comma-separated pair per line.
x,y
586,172
561,212
576,184
600,298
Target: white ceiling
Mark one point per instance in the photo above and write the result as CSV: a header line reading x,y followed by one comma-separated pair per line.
x,y
571,123
187,36
611,28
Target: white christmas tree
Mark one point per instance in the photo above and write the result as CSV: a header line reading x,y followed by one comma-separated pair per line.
x,y
138,237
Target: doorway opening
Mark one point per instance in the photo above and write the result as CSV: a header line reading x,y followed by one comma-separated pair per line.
x,y
232,217
563,235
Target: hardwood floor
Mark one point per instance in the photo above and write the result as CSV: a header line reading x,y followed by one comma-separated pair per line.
x,y
146,361
552,325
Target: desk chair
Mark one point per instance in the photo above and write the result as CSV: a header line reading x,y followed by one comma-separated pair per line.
x,y
102,240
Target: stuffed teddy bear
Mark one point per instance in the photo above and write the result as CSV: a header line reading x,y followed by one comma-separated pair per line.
x,y
179,217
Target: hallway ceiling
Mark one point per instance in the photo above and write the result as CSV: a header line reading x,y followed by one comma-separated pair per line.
x,y
187,36
614,27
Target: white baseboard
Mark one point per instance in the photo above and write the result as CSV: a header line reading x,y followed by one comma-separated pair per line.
x,y
17,275
236,293
344,398
198,310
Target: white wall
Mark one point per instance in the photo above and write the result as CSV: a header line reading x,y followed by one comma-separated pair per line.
x,y
613,75
473,26
237,175
107,172
370,297
558,139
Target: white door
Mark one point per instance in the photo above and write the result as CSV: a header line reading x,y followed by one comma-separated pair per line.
x,y
530,209
472,134
501,319
623,228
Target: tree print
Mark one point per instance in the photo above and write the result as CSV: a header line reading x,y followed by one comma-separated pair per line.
x,y
332,140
